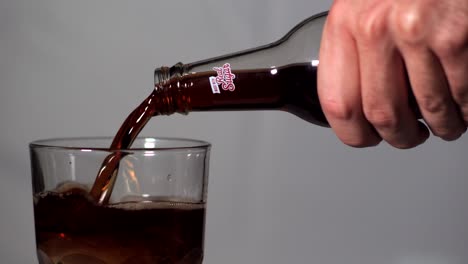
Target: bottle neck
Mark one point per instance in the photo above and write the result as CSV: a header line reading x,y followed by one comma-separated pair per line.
x,y
169,99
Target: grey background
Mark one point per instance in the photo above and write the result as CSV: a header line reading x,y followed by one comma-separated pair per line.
x,y
280,190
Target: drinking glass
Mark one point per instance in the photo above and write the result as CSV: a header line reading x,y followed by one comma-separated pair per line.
x,y
155,213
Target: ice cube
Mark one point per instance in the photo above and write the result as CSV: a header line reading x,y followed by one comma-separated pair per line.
x,y
71,187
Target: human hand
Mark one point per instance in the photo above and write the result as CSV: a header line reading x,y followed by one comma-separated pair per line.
x,y
370,48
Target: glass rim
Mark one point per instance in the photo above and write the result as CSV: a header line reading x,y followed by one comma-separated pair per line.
x,y
48,143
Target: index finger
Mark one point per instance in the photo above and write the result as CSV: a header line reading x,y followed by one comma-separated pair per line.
x,y
339,86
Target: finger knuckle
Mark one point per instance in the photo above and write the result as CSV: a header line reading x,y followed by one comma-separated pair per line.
x,y
336,110
372,26
450,44
432,104
410,25
382,117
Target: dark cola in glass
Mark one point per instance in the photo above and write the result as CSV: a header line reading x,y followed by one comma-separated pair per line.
x,y
154,214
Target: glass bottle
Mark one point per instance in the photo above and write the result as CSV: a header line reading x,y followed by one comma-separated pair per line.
x,y
277,76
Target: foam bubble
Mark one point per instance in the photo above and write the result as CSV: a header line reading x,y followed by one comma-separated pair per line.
x,y
64,190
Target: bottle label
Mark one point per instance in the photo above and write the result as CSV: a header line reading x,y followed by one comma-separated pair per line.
x,y
224,77
214,85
